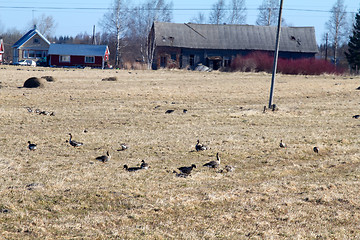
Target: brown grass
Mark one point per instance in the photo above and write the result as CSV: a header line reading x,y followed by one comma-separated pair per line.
x,y
61,192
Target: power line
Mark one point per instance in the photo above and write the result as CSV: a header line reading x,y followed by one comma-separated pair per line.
x,y
151,9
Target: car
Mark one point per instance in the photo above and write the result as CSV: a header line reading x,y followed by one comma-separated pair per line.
x,y
26,62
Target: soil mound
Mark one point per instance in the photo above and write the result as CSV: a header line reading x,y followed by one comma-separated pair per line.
x,y
34,82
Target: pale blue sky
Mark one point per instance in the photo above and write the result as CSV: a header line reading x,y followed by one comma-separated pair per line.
x,y
18,13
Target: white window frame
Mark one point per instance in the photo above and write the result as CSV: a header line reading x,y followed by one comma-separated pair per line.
x,y
87,59
64,58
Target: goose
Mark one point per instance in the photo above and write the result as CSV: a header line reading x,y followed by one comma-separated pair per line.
x,y
282,145
169,111
132,169
74,143
104,158
316,149
200,147
229,168
144,165
123,147
213,164
187,170
32,146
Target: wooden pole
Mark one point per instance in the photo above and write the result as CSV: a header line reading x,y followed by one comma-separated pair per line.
x,y
326,47
276,56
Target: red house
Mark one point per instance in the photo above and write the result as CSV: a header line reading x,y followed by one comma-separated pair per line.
x,y
1,51
66,55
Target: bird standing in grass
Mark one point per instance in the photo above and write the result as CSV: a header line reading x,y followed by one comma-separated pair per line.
x,y
316,149
104,158
200,147
123,147
144,165
132,169
187,170
32,146
213,164
282,144
74,143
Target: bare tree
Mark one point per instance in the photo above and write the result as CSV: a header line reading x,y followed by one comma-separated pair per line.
x,y
268,13
337,26
116,22
200,18
237,12
218,13
141,20
45,24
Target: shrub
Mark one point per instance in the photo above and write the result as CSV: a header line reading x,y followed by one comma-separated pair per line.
x,y
263,62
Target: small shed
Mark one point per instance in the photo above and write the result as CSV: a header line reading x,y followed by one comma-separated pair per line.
x,y
33,45
1,51
84,55
216,45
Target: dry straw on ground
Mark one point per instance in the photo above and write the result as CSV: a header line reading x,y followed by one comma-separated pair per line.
x,y
62,192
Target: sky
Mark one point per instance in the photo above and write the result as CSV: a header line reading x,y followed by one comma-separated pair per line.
x,y
77,16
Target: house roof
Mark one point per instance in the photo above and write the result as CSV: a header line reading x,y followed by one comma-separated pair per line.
x,y
77,49
28,36
234,37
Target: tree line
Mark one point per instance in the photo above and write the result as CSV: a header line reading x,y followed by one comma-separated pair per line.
x,y
125,27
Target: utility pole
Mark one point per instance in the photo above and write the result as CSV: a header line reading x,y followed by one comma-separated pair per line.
x,y
94,39
276,56
326,46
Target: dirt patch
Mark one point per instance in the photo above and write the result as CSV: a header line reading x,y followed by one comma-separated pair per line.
x,y
49,78
110,79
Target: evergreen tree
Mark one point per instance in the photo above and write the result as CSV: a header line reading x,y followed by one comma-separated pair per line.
x,y
353,54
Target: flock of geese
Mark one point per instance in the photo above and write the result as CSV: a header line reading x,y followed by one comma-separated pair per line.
x,y
184,171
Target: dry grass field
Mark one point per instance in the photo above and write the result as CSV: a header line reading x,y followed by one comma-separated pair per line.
x,y
62,192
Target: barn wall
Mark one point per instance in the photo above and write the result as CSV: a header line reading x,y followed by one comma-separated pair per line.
x,y
167,57
190,58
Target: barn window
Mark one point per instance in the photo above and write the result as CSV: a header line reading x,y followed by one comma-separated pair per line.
x,y
192,60
89,59
36,40
65,58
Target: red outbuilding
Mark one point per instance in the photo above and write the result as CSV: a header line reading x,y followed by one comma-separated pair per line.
x,y
67,55
1,51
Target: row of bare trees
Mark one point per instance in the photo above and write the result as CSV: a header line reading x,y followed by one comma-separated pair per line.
x,y
130,26
125,27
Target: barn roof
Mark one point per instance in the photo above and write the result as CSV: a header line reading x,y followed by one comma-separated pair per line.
x,y
77,49
28,36
234,37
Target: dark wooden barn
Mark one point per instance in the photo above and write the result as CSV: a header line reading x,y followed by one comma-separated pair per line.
x,y
65,55
175,45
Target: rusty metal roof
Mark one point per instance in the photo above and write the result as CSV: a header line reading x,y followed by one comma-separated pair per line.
x,y
234,37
